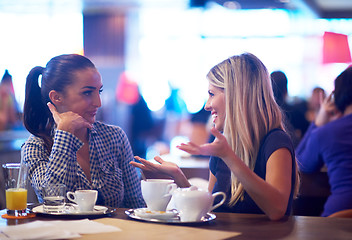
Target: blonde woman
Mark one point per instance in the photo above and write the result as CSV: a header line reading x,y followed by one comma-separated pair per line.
x,y
253,159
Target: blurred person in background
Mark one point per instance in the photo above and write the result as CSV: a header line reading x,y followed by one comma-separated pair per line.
x,y
141,126
295,121
253,158
140,121
67,144
9,113
314,103
328,141
200,125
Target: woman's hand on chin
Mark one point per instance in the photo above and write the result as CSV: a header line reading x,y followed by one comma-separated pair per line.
x,y
68,121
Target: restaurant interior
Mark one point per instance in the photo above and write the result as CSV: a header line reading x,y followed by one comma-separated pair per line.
x,y
153,56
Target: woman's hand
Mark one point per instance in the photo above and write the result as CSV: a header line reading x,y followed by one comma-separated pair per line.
x,y
219,147
164,167
68,121
328,111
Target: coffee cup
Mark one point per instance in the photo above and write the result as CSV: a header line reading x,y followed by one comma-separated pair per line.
x,y
85,199
193,204
157,193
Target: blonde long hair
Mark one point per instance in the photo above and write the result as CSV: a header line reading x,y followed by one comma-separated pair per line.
x,y
251,110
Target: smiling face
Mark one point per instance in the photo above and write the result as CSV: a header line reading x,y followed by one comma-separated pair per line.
x,y
83,96
216,104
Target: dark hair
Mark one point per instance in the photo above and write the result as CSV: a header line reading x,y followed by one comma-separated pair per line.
x,y
58,74
343,89
279,85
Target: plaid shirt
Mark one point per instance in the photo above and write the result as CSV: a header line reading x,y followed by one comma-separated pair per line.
x,y
111,174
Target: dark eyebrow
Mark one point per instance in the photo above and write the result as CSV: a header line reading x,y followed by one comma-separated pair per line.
x,y
91,87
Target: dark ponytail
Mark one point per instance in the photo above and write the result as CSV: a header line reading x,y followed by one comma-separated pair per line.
x,y
36,115
58,74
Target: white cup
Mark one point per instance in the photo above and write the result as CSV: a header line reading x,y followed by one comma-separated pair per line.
x,y
193,204
85,199
157,193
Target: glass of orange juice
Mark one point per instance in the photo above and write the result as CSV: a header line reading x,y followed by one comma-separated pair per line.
x,y
15,175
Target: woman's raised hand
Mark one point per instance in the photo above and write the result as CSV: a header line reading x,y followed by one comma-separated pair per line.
x,y
164,167
68,121
219,147
328,111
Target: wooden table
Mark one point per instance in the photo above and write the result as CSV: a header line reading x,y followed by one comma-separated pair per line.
x,y
225,226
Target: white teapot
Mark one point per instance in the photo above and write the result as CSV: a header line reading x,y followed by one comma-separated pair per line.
x,y
193,203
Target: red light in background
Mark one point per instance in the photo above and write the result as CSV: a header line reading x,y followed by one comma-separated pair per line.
x,y
336,48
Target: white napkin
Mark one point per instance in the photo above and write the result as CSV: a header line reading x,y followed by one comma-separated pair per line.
x,y
54,229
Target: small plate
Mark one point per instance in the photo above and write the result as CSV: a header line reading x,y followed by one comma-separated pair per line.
x,y
72,210
175,220
161,215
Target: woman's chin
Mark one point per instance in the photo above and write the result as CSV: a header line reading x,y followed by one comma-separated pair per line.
x,y
220,128
91,120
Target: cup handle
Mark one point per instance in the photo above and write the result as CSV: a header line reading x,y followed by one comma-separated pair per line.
x,y
71,196
221,202
170,188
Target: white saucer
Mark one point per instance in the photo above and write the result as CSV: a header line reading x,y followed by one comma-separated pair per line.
x,y
72,209
158,218
162,215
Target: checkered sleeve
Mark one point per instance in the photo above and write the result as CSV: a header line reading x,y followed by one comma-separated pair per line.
x,y
60,166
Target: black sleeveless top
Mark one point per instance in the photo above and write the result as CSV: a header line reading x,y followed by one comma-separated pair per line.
x,y
273,141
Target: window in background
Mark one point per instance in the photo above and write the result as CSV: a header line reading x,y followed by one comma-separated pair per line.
x,y
31,39
179,46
